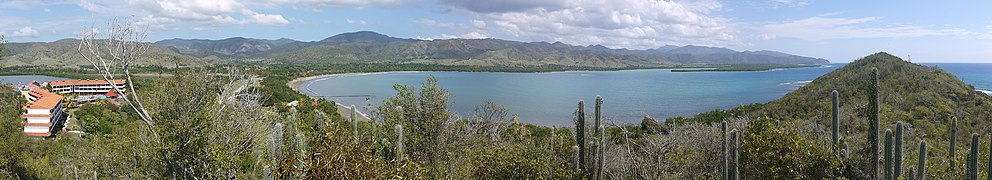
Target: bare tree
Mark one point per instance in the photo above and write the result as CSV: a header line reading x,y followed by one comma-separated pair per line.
x,y
112,55
490,118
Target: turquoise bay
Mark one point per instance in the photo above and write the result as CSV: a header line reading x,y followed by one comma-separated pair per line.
x,y
551,98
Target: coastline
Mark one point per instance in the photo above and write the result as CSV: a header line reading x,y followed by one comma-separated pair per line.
x,y
344,110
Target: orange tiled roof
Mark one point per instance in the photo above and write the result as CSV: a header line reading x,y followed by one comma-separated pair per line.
x,y
82,82
38,92
46,100
39,134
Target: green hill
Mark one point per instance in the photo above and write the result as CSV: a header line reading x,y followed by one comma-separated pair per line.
x,y
925,98
63,53
909,92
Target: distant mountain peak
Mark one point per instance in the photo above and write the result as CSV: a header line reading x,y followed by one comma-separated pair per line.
x,y
362,36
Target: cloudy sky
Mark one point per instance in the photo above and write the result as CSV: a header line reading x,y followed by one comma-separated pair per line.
x,y
841,31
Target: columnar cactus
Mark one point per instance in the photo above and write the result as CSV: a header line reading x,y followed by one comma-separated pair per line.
x,y
599,114
954,131
399,143
990,160
354,123
580,133
921,166
726,152
275,142
873,122
575,157
888,154
835,119
599,134
973,158
602,149
897,151
735,138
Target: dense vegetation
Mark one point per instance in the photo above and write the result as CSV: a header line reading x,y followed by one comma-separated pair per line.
x,y
744,68
414,135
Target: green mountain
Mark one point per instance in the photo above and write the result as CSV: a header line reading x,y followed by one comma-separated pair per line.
x,y
371,47
63,53
910,92
926,99
237,47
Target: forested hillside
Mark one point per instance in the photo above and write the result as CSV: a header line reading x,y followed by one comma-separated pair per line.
x,y
371,47
63,54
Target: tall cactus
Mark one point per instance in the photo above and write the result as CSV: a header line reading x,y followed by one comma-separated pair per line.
x,y
835,119
601,155
973,158
888,154
921,166
354,123
399,143
873,122
989,173
736,139
275,149
726,152
897,151
954,132
597,161
580,134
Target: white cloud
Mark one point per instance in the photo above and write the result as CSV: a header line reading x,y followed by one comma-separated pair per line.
x,y
479,24
360,22
319,4
616,23
202,13
26,32
828,26
266,19
153,22
471,35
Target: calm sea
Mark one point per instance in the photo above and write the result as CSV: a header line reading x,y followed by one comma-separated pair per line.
x,y
550,98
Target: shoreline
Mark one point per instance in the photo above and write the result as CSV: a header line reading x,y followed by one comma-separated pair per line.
x,y
343,109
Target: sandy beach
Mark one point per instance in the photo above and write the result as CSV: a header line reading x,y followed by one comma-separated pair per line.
x,y
344,110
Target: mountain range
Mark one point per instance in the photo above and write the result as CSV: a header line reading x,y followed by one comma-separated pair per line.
x,y
371,47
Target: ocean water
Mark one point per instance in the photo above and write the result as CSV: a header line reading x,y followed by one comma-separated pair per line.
x,y
25,79
551,98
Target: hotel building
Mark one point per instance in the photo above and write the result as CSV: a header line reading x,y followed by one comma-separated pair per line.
x,y
85,87
44,113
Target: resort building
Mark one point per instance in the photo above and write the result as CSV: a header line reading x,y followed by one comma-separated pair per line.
x,y
44,113
85,87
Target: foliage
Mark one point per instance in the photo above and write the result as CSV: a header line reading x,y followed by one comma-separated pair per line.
x,y
775,150
100,118
518,162
717,115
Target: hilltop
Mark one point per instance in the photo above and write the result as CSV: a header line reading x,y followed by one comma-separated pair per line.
x,y
63,53
372,47
366,47
910,92
926,99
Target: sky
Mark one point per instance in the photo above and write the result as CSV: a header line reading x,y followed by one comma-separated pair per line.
x,y
839,31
